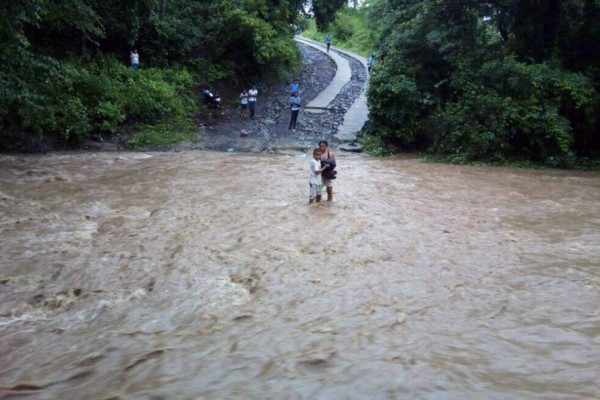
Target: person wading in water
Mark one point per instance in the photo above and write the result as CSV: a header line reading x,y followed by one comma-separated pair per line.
x,y
328,175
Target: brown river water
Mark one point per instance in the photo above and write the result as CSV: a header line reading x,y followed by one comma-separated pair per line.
x,y
200,275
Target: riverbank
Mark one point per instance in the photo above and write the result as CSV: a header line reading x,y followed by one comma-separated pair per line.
x,y
227,130
269,132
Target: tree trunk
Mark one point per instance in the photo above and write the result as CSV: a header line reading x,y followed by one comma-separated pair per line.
x,y
163,8
82,43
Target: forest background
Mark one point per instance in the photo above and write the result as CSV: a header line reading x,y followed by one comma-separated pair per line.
x,y
464,81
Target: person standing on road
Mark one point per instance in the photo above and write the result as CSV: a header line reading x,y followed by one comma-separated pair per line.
x,y
135,59
371,62
252,93
295,109
328,40
328,162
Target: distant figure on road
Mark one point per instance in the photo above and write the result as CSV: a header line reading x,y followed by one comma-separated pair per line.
x,y
328,40
371,62
295,109
135,59
244,101
295,87
252,93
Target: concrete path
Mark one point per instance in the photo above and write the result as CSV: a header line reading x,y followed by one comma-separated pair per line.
x,y
358,114
342,76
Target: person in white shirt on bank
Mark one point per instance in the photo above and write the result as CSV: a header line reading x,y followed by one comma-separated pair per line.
x,y
135,59
252,93
244,101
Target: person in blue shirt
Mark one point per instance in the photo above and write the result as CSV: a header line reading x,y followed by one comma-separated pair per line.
x,y
371,62
295,109
295,87
328,40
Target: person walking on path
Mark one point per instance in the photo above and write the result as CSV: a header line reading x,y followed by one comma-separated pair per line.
x,y
135,59
295,87
328,162
295,109
244,101
371,62
328,40
315,182
252,93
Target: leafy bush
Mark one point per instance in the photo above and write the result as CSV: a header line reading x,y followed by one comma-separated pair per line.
x,y
376,146
42,101
508,108
71,100
398,102
452,85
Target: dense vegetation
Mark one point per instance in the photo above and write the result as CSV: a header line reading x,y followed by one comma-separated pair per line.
x,y
354,29
65,70
489,80
464,80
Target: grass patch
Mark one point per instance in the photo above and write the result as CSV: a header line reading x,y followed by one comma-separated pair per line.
x,y
160,135
376,146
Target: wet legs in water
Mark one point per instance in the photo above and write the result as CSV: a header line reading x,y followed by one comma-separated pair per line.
x,y
315,193
294,119
329,193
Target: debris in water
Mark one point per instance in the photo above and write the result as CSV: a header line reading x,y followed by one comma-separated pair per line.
x,y
242,317
145,357
401,319
317,358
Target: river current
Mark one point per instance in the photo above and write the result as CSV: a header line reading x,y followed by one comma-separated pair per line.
x,y
199,275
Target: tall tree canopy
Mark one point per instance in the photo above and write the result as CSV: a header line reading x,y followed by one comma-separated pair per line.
x,y
325,10
490,80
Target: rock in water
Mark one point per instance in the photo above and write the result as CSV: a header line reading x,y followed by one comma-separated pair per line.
x,y
353,147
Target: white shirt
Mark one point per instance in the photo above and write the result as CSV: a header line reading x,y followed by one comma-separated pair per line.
x,y
135,58
244,98
252,93
315,179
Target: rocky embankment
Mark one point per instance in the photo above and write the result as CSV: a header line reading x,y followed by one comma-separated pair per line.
x,y
269,132
228,130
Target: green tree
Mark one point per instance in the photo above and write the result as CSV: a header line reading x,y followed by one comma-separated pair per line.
x,y
488,80
325,10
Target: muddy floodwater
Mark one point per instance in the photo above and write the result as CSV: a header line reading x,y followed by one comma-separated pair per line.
x,y
202,275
